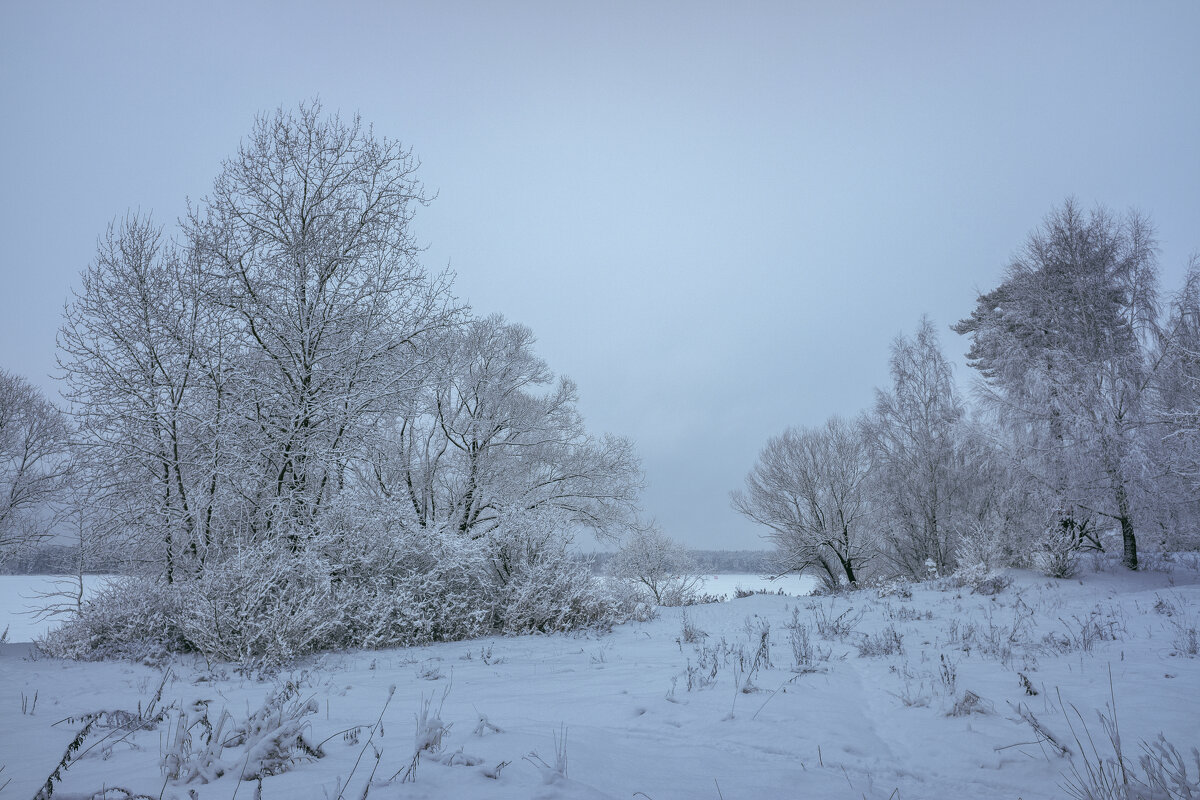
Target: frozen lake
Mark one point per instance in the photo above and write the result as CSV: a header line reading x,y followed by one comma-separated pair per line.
x,y
728,584
22,596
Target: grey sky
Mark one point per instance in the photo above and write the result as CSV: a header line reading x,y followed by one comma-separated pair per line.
x,y
715,217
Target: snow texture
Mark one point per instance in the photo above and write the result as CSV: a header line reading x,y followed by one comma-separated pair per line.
x,y
906,691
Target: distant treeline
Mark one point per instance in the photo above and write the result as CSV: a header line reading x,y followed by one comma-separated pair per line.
x,y
745,562
58,559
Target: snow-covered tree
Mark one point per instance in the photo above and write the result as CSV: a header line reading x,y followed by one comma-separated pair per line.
x,y
657,566
809,487
1175,436
923,471
493,433
307,237
34,462
1062,346
302,436
145,360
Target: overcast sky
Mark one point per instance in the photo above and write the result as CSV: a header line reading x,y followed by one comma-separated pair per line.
x,y
715,217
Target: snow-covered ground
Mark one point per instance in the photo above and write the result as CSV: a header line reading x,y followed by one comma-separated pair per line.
x,y
901,697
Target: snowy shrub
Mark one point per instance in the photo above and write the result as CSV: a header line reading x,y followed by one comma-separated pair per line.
x,y
1187,636
1057,554
549,591
690,633
991,584
893,588
409,610
658,569
130,618
987,541
839,627
274,735
265,606
979,578
360,581
882,643
1160,773
397,588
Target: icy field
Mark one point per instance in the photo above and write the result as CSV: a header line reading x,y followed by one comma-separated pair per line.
x,y
727,585
944,694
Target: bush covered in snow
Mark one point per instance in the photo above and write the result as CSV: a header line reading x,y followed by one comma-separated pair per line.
x,y
131,618
350,587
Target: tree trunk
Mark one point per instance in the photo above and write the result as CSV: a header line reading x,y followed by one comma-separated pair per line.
x,y
849,567
1130,558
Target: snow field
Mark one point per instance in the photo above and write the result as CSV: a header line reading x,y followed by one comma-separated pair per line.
x,y
879,707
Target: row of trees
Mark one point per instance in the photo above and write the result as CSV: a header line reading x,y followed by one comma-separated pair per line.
x,y
287,354
1087,424
281,374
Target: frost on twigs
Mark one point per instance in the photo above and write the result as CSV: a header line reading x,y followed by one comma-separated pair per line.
x,y
428,737
690,633
1044,736
1161,772
120,725
274,736
271,740
552,774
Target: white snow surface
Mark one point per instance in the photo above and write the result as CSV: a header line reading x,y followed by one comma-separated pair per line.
x,y
858,726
